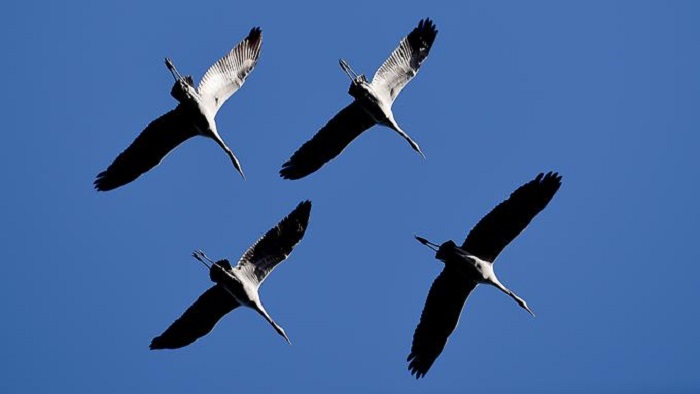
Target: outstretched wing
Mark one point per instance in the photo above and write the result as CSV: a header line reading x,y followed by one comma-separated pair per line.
x,y
274,247
508,219
148,149
440,316
338,133
228,74
198,320
404,62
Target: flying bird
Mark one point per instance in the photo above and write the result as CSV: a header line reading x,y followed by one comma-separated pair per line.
x,y
470,264
194,115
239,285
372,104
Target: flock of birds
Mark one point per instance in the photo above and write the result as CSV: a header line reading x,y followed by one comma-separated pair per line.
x,y
465,266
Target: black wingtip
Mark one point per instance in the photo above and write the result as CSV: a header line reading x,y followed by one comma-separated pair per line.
x,y
255,35
97,184
304,206
291,172
427,24
302,212
415,367
161,343
424,34
286,173
102,183
156,344
551,178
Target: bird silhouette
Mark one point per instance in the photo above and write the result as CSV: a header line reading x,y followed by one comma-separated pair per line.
x,y
372,104
239,285
194,115
470,264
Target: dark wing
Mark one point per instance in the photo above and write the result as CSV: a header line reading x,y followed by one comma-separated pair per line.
x,y
148,149
228,74
497,229
345,126
198,320
274,247
404,62
440,317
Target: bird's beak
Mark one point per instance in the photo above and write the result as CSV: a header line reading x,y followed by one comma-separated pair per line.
x,y
523,305
528,309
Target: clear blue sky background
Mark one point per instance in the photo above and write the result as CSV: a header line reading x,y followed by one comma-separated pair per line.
x,y
605,92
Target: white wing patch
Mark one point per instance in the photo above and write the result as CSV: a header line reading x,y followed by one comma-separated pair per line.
x,y
275,246
405,61
229,73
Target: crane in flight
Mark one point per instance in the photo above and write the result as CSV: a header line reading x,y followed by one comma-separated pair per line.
x,y
194,115
470,264
239,285
372,104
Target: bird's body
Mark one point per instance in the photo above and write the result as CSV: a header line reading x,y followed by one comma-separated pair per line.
x,y
471,264
194,115
471,268
243,290
192,105
239,285
372,105
377,108
370,101
199,113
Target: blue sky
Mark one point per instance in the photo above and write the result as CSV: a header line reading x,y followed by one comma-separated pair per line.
x,y
605,92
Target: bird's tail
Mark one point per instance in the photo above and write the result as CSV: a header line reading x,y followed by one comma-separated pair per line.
x,y
216,273
179,92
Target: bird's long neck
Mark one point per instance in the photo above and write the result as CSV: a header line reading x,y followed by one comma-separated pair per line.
x,y
391,123
495,282
259,308
213,134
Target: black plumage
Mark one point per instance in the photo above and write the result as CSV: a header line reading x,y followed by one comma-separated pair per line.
x,y
472,264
